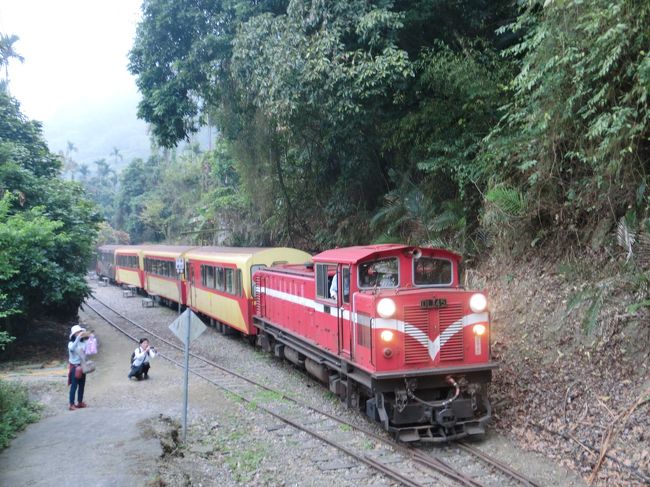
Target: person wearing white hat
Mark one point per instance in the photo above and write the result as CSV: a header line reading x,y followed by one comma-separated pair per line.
x,y
76,376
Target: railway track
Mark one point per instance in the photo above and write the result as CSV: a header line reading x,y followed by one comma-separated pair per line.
x,y
406,465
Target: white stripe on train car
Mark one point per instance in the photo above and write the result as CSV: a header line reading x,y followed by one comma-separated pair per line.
x,y
433,346
306,302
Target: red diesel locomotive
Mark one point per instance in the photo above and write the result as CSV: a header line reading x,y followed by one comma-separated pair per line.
x,y
389,329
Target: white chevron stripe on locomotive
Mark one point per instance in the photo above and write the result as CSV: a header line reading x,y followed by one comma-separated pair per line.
x,y
433,346
445,336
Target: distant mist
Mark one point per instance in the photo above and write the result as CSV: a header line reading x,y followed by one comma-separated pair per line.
x,y
95,130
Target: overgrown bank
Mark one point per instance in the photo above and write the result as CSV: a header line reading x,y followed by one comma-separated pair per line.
x,y
573,382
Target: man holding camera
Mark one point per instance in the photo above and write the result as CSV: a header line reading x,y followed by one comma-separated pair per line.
x,y
140,360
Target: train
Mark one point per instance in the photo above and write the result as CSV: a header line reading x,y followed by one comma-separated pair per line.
x,y
388,328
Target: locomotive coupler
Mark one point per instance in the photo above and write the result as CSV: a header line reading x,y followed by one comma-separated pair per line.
x,y
401,399
445,417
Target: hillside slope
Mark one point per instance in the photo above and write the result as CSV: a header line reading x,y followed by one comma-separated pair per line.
x,y
574,382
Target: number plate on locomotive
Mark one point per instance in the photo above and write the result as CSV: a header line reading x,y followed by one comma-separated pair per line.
x,y
433,303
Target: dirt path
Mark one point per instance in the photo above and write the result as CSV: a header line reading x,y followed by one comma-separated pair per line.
x,y
115,441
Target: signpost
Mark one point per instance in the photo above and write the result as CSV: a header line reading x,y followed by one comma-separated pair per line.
x,y
180,269
187,327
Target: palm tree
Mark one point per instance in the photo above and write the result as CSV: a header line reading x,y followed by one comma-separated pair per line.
x,y
69,164
104,170
115,153
84,170
7,52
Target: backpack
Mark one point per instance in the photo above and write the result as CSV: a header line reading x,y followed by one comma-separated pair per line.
x,y
132,359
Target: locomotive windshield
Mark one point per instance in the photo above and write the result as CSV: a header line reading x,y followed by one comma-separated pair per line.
x,y
429,271
379,273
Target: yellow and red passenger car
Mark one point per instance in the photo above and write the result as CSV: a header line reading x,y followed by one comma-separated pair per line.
x,y
220,282
160,274
105,266
129,268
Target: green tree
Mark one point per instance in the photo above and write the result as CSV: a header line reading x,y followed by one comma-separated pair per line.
x,y
575,136
138,181
47,225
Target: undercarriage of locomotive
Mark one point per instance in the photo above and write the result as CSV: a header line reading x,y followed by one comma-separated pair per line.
x,y
417,412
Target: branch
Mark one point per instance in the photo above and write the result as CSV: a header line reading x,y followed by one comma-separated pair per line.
x,y
615,427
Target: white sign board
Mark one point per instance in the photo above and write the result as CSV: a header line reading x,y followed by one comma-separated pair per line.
x,y
180,265
179,326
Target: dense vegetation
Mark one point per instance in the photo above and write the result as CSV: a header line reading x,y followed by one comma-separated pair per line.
x,y
47,226
420,120
16,411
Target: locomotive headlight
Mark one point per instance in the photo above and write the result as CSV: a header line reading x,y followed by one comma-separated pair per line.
x,y
386,308
386,336
478,303
479,329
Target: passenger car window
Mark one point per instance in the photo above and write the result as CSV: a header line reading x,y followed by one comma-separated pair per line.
x,y
429,271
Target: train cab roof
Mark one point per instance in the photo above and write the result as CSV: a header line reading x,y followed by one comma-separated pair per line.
x,y
353,255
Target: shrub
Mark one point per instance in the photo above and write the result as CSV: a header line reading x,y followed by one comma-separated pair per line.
x,y
16,411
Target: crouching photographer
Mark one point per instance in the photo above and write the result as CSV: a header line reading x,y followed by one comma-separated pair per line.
x,y
140,360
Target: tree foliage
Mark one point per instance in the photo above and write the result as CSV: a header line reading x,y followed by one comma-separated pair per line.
x,y
417,120
575,135
326,105
47,226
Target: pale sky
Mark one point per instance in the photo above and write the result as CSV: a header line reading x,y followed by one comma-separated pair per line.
x,y
75,71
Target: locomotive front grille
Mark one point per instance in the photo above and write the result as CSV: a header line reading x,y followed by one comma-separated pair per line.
x,y
451,333
416,340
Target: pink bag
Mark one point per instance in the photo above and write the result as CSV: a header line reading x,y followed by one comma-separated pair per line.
x,y
91,345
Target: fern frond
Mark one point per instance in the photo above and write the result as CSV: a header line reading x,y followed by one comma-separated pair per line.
x,y
625,237
643,250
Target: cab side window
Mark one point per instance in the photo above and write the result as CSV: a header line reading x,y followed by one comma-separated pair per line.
x,y
324,275
346,284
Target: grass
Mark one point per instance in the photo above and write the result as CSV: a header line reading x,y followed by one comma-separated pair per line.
x,y
232,397
244,463
264,397
16,411
239,454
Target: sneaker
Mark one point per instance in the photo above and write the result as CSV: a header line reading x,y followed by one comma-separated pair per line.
x,y
146,376
72,407
82,405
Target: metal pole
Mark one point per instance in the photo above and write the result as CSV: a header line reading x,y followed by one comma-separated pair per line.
x,y
186,378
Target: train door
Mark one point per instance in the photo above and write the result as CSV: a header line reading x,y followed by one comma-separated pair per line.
x,y
191,298
344,315
254,269
256,300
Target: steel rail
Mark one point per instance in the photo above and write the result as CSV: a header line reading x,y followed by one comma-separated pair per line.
x,y
431,462
389,472
422,458
497,464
